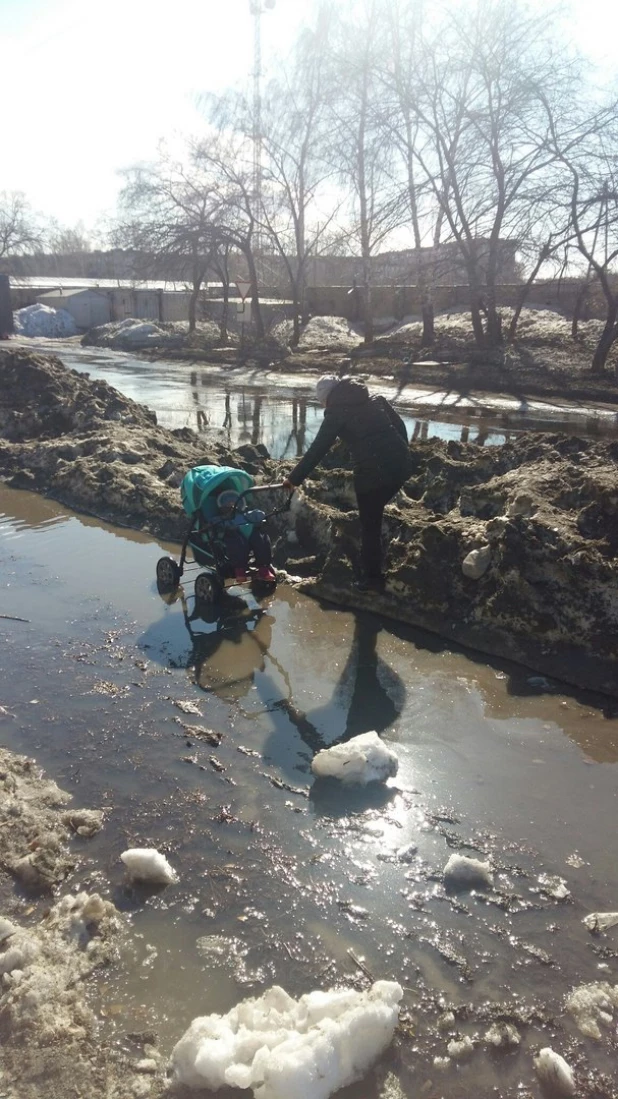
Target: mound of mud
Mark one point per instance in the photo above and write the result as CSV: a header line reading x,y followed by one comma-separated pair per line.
x,y
511,551
84,444
40,398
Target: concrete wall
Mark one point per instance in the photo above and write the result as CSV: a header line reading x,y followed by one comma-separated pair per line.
x,y
88,307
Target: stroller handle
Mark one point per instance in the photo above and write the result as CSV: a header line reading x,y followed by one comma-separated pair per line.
x,y
265,488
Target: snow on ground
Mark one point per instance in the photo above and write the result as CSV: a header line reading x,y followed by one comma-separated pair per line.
x,y
281,1047
40,320
132,334
534,326
329,332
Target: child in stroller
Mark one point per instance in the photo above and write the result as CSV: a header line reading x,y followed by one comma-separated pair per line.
x,y
222,535
233,521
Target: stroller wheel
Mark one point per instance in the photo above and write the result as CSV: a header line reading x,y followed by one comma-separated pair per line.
x,y
168,574
207,588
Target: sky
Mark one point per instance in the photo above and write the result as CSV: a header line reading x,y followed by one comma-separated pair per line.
x,y
92,87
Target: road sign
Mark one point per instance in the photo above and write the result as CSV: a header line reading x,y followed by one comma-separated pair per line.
x,y
243,287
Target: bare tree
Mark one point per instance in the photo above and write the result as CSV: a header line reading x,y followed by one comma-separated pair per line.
x,y
295,169
361,146
168,216
483,104
19,232
226,162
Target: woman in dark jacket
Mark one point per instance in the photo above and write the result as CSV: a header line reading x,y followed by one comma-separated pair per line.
x,y
378,442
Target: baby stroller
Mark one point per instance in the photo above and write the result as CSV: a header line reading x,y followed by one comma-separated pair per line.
x,y
199,491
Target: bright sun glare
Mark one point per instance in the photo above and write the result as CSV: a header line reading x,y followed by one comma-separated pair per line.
x,y
93,89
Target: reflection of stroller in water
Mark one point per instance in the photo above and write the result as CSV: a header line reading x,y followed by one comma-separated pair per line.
x,y
222,535
237,656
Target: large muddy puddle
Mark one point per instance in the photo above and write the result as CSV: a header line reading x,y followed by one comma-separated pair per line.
x,y
285,880
253,405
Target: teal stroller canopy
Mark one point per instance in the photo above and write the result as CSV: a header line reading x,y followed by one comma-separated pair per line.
x,y
202,484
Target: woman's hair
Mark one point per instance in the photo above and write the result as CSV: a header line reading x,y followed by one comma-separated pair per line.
x,y
325,386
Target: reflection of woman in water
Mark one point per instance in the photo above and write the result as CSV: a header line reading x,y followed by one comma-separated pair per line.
x,y
235,656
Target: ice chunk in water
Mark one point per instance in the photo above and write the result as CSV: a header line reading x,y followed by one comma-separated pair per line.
x,y
555,1074
462,872
145,864
281,1047
592,1004
362,759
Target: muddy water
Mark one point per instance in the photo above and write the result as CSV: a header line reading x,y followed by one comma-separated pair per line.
x,y
253,405
282,879
247,406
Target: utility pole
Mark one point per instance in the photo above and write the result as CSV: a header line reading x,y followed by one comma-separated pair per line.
x,y
257,8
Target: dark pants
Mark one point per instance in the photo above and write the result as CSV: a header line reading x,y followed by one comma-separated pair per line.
x,y
238,548
370,511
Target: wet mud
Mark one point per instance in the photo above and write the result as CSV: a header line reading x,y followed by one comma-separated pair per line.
x,y
509,550
196,736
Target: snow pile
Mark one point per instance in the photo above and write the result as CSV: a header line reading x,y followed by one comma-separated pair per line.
x,y
593,1004
145,864
328,332
281,1047
40,320
362,759
600,921
131,334
554,1073
462,872
41,968
535,326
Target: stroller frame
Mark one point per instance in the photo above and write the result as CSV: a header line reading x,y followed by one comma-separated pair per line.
x,y
208,553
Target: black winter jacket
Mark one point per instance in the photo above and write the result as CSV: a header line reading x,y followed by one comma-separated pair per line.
x,y
374,433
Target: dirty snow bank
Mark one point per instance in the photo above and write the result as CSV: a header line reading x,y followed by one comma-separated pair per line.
x,y
535,326
40,320
133,334
86,445
330,332
41,967
34,825
281,1047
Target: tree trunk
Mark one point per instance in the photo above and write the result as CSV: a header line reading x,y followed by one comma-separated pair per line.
x,y
476,306
608,337
429,331
580,301
195,293
367,309
494,323
296,318
223,335
255,295
525,290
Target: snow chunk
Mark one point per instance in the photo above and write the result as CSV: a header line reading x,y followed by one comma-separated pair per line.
x,y
600,921
362,759
329,332
145,864
554,1073
308,1048
503,1036
462,872
476,563
40,320
460,1048
593,1004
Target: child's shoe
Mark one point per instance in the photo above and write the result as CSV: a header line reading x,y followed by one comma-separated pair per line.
x,y
266,573
240,576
